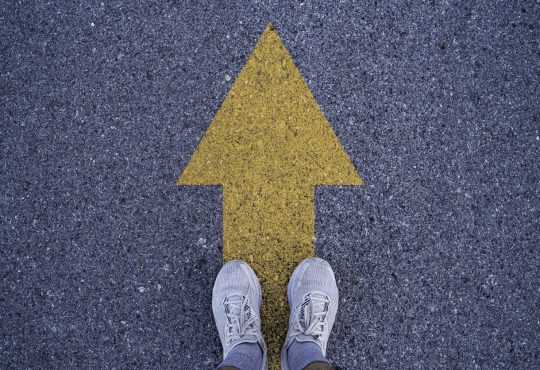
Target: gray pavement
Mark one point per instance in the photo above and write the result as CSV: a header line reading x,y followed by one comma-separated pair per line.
x,y
106,263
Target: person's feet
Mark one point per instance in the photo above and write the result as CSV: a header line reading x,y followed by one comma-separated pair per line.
x,y
313,299
236,301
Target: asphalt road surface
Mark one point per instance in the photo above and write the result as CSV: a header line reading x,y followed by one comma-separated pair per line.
x,y
106,263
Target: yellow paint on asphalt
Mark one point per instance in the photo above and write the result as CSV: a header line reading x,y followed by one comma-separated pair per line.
x,y
269,145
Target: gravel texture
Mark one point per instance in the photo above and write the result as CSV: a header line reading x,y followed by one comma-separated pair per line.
x,y
106,263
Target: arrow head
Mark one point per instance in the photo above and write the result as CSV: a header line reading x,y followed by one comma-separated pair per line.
x,y
270,129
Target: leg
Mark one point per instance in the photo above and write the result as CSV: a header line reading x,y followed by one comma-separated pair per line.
x,y
236,300
313,298
319,366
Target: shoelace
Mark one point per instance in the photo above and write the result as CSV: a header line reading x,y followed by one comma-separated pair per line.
x,y
241,320
310,318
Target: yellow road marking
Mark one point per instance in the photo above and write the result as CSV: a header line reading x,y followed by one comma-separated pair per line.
x,y
269,145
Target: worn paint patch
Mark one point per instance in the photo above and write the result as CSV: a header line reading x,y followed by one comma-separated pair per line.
x,y
269,145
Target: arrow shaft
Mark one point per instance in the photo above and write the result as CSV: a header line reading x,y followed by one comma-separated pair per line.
x,y
273,229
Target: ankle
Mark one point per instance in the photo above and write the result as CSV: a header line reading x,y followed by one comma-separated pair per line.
x,y
243,356
302,354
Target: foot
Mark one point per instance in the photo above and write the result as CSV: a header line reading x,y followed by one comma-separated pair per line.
x,y
236,302
313,300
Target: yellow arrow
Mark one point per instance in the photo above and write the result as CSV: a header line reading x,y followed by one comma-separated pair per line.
x,y
269,145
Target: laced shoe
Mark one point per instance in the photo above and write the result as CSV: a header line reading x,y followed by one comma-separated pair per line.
x,y
313,300
236,302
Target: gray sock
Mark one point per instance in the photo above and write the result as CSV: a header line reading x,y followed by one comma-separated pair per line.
x,y
301,354
245,356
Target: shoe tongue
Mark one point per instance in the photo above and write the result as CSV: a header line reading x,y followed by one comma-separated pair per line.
x,y
318,306
305,338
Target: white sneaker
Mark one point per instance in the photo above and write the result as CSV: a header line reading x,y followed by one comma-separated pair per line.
x,y
313,300
236,301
